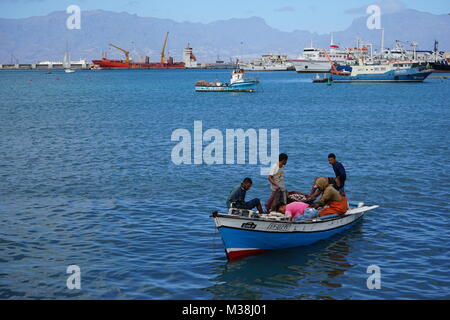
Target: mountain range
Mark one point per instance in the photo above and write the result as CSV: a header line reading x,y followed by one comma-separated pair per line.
x,y
34,39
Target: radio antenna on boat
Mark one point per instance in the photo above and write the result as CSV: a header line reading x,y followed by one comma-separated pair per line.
x,y
382,40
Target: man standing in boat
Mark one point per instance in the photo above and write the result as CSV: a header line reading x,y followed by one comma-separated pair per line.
x,y
236,198
278,187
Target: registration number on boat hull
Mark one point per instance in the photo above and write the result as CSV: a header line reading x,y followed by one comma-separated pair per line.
x,y
279,227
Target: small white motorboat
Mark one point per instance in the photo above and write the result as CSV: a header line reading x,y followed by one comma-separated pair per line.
x,y
237,84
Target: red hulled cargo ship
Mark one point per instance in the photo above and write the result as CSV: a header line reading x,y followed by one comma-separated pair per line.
x,y
121,64
128,64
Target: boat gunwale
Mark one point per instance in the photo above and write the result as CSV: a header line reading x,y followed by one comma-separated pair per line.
x,y
377,81
216,214
345,215
296,231
233,90
229,85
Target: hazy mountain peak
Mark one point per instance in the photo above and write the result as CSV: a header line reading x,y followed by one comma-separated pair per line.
x,y
43,38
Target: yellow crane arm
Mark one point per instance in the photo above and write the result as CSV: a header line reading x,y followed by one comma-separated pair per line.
x,y
163,55
127,53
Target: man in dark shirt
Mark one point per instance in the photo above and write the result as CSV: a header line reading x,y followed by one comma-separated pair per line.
x,y
237,197
339,181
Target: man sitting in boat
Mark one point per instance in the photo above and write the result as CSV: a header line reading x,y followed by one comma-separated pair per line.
x,y
339,170
292,210
237,197
338,182
337,203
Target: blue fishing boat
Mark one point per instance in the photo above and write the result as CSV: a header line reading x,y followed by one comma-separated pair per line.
x,y
237,84
401,71
246,233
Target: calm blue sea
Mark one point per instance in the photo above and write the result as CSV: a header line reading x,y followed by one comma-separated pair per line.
x,y
86,179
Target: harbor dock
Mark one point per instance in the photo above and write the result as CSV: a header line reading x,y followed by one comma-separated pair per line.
x,y
44,66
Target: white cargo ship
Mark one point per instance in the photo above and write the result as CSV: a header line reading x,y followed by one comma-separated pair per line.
x,y
313,60
269,62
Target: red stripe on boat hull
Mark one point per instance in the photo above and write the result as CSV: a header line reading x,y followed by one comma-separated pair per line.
x,y
235,255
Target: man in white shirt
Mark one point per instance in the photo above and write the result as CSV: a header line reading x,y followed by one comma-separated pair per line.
x,y
278,187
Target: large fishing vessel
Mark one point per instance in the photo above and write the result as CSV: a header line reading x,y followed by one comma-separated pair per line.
x,y
436,59
380,71
442,66
165,63
396,71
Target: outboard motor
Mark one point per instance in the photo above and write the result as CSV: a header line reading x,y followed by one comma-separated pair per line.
x,y
240,212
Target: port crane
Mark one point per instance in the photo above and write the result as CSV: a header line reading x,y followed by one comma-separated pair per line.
x,y
163,55
127,53
334,70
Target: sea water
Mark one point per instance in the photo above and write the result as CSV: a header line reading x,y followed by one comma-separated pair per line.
x,y
87,179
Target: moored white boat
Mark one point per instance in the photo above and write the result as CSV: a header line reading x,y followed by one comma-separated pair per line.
x,y
268,62
244,233
237,84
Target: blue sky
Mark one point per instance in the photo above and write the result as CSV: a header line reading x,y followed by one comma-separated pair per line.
x,y
287,15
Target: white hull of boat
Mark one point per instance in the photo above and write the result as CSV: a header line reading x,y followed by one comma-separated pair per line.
x,y
250,67
312,66
244,236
